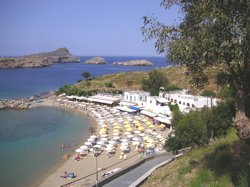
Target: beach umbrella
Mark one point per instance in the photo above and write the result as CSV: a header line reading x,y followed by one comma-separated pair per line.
x,y
87,143
124,143
154,133
115,124
137,132
104,135
135,139
159,136
127,133
130,136
149,140
104,139
151,126
78,150
97,146
141,128
150,145
136,143
84,147
91,140
129,129
116,134
124,148
142,135
104,126
162,126
127,126
116,131
110,146
103,129
100,142
124,140
149,130
112,142
116,137
117,127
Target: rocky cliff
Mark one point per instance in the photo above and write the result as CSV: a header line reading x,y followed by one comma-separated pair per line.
x,y
134,63
95,60
39,60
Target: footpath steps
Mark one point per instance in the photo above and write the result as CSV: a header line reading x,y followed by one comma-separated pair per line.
x,y
130,177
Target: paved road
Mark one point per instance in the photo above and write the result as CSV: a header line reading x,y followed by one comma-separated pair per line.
x,y
131,176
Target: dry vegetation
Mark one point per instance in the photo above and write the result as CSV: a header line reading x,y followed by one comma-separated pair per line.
x,y
132,80
224,163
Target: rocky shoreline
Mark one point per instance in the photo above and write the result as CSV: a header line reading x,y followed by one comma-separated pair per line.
x,y
95,60
24,103
15,104
134,63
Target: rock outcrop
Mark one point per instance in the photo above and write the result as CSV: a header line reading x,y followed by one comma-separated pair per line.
x,y
134,63
15,104
39,60
95,60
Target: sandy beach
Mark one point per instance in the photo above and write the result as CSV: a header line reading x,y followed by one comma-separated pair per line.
x,y
84,169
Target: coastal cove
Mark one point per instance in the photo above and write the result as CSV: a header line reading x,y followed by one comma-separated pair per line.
x,y
30,142
30,138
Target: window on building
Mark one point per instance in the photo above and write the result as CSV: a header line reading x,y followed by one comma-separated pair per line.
x,y
134,99
193,106
127,97
180,102
175,101
150,101
171,100
188,104
183,103
131,98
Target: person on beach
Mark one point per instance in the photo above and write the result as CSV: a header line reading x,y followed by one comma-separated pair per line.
x,y
65,175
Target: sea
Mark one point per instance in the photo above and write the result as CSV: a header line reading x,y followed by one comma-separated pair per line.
x,y
30,139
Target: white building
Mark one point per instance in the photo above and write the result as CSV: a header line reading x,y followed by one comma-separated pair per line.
x,y
151,106
136,97
188,102
158,105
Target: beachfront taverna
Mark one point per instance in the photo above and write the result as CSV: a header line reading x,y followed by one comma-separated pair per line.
x,y
187,102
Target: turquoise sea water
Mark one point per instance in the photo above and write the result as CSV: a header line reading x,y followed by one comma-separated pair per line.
x,y
30,139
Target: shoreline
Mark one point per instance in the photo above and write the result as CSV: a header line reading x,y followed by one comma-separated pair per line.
x,y
47,179
92,121
85,168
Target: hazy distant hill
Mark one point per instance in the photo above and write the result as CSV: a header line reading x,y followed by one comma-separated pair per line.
x,y
39,60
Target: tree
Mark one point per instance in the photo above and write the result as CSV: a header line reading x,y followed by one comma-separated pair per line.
x,y
86,75
156,80
211,33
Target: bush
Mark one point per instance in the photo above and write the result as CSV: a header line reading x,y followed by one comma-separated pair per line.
x,y
109,84
208,93
154,82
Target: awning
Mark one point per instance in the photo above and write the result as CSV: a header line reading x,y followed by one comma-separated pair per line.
x,y
163,120
135,108
103,99
147,113
126,109
125,103
100,101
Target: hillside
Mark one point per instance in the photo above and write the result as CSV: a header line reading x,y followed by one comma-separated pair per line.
x,y
224,163
132,80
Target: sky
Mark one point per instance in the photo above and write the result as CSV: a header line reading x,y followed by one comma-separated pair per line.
x,y
85,27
